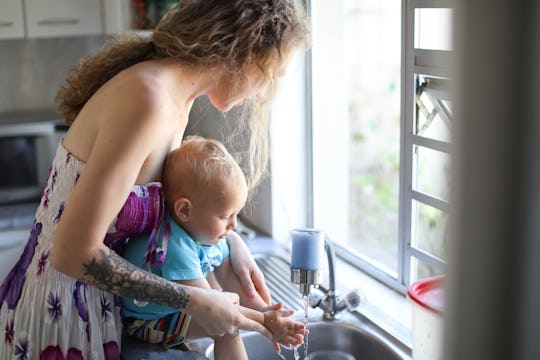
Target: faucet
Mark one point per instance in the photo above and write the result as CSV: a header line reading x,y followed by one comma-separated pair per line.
x,y
306,270
332,305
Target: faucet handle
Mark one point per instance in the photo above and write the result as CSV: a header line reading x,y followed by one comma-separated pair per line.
x,y
352,300
314,299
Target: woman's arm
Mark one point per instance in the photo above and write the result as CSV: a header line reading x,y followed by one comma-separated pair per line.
x,y
246,269
272,318
218,312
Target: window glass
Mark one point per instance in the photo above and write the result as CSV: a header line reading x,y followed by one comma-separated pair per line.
x,y
429,230
372,50
421,270
433,29
431,172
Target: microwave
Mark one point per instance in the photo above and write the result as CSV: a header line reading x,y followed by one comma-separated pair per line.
x,y
26,152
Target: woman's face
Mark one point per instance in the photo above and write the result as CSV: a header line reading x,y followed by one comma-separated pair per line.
x,y
231,90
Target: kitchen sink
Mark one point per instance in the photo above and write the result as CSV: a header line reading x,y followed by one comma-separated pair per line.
x,y
353,332
360,340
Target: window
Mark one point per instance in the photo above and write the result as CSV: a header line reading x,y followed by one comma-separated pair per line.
x,y
382,124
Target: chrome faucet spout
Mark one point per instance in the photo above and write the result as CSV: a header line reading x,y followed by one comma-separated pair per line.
x,y
330,312
330,254
331,304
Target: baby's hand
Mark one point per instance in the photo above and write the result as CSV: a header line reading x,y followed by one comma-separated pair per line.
x,y
286,332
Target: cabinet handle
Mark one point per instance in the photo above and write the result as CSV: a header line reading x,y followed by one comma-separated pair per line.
x,y
58,21
6,23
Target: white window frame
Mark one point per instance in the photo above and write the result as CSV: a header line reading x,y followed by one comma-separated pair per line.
x,y
435,63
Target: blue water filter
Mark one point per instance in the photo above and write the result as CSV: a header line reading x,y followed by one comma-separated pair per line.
x,y
307,259
307,249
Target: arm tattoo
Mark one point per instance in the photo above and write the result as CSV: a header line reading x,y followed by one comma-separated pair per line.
x,y
116,275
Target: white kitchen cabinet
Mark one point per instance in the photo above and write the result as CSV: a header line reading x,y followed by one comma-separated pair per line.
x,y
117,16
50,18
11,19
122,16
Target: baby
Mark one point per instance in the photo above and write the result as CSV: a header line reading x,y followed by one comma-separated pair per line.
x,y
204,189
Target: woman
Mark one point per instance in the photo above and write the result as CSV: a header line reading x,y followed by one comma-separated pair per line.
x,y
128,108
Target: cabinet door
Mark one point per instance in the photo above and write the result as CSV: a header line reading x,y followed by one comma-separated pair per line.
x,y
48,18
11,19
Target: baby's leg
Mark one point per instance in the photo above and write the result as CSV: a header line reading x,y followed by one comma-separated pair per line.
x,y
225,347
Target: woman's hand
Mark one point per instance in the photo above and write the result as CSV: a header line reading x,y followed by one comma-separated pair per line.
x,y
246,269
218,313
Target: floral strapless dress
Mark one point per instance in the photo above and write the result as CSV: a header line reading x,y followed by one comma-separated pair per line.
x,y
45,314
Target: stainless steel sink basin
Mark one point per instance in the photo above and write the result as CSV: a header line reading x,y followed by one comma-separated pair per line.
x,y
360,340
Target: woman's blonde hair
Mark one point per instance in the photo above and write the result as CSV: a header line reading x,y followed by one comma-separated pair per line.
x,y
231,35
199,164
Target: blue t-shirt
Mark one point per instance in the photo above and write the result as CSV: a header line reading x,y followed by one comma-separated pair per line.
x,y
186,260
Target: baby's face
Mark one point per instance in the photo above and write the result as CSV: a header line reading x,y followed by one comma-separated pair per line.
x,y
215,213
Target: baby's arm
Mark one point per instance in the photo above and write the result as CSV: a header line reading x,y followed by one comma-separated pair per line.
x,y
212,281
285,331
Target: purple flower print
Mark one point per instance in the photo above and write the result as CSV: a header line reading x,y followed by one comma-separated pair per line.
x,y
117,301
60,210
105,309
80,299
11,288
9,332
49,189
54,177
46,197
21,350
42,262
111,351
55,307
55,353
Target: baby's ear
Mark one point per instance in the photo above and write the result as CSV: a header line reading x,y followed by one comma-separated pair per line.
x,y
182,209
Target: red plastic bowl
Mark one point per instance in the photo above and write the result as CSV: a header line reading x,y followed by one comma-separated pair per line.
x,y
428,293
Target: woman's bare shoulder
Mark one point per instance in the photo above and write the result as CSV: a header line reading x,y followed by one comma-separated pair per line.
x,y
134,97
139,88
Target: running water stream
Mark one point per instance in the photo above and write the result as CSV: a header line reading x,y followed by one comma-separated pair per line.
x,y
306,336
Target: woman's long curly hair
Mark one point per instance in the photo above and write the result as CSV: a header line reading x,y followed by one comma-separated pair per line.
x,y
230,35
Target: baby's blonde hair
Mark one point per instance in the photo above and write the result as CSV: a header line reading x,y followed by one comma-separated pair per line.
x,y
199,164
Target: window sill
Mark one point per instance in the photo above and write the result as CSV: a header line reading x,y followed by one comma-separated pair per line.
x,y
384,306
